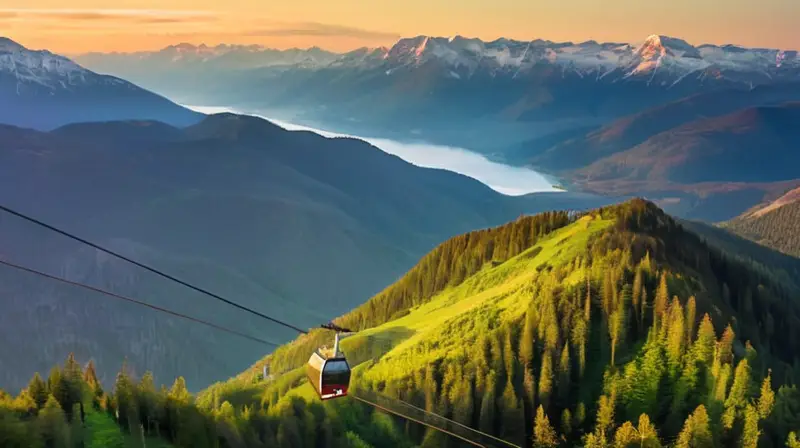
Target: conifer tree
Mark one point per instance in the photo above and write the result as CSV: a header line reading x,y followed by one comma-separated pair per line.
x,y
528,340
706,340
616,330
626,436
529,387
52,424
737,398
661,302
566,422
726,346
487,416
676,333
564,374
766,399
691,315
38,390
750,433
546,380
580,333
648,436
605,418
544,436
636,294
696,431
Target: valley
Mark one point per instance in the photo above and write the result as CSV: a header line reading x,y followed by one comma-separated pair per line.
x,y
572,111
505,179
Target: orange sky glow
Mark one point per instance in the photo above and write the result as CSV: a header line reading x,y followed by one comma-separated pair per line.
x,y
130,25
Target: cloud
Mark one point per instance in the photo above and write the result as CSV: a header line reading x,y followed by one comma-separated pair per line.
x,y
321,29
92,15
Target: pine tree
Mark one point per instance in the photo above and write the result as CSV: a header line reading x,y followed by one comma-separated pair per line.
x,y
691,315
616,330
52,424
57,386
661,301
636,294
737,398
580,416
529,387
766,400
544,436
487,416
546,380
648,437
90,378
751,433
726,346
792,441
580,332
38,390
564,371
527,343
73,381
696,431
566,422
626,436
706,340
147,401
178,393
676,333
605,417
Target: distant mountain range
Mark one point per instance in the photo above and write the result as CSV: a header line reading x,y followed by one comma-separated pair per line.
x,y
560,107
42,90
452,90
290,223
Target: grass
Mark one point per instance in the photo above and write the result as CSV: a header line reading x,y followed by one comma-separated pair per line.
x,y
439,328
102,432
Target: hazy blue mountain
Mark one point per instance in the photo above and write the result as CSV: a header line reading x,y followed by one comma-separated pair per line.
x,y
42,90
293,224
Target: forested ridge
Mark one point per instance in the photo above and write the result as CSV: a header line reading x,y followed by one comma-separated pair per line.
x,y
616,327
778,228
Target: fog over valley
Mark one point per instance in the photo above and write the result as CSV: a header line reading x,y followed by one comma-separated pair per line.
x,y
509,180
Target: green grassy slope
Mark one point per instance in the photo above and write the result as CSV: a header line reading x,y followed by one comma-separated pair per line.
x,y
614,327
525,331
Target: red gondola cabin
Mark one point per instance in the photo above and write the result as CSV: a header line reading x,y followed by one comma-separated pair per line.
x,y
329,374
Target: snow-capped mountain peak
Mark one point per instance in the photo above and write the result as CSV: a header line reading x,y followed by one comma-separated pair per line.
x,y
37,69
660,46
8,45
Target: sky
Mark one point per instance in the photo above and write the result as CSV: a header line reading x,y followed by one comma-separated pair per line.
x,y
78,26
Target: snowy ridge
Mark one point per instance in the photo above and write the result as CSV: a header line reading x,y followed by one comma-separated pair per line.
x,y
656,56
41,68
658,60
221,56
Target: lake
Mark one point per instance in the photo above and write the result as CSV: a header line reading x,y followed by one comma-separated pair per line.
x,y
505,179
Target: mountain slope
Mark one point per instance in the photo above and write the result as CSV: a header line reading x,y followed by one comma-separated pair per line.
x,y
578,151
776,224
751,145
291,223
523,333
710,169
42,90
